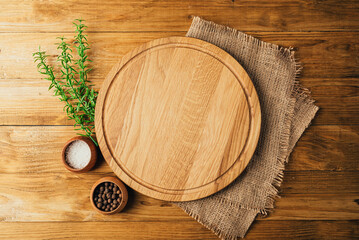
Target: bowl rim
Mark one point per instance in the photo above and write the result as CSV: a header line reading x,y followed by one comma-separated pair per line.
x,y
93,158
122,188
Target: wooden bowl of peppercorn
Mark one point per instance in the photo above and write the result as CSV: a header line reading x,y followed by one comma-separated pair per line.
x,y
109,195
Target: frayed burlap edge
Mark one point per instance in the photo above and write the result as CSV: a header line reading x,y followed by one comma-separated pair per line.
x,y
213,228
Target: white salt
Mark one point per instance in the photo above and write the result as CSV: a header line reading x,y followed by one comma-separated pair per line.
x,y
78,154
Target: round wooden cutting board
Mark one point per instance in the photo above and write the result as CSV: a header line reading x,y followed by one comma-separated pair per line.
x,y
177,119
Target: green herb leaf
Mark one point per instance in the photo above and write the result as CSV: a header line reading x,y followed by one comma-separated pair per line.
x,y
79,96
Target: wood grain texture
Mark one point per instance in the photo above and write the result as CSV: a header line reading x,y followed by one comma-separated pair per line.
x,y
329,60
32,104
22,150
315,192
147,15
177,119
65,196
177,230
319,193
323,55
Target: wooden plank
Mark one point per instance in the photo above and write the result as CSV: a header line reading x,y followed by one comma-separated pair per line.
x,y
314,206
28,102
337,99
61,199
135,15
176,230
106,49
109,230
333,148
64,196
320,182
304,230
325,87
323,55
22,150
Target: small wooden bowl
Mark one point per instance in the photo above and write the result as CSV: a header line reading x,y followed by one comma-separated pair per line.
x,y
93,158
122,188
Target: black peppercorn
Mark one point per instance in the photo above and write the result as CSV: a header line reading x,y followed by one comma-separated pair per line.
x,y
107,196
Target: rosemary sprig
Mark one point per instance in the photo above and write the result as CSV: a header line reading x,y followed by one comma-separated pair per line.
x,y
82,46
43,68
79,97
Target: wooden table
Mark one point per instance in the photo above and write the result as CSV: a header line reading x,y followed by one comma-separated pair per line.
x,y
40,199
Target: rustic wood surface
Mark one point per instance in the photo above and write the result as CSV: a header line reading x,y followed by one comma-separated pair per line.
x,y
177,119
40,199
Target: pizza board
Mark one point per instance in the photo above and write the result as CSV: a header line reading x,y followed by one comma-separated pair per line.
x,y
177,119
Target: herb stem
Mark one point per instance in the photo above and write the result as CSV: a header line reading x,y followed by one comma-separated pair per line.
x,y
79,98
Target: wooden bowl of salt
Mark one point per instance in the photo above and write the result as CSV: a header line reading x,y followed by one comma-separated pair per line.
x,y
79,154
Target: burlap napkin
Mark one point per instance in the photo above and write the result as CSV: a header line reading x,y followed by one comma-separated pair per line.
x,y
287,110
